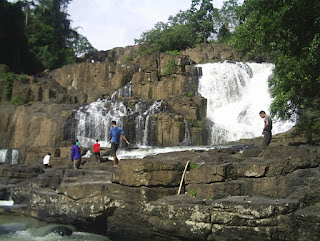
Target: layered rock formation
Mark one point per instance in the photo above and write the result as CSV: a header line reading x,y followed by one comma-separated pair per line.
x,y
227,195
47,120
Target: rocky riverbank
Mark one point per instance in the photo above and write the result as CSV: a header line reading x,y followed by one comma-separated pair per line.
x,y
234,193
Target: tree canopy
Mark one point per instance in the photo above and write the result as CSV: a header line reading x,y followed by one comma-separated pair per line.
x,y
37,35
288,33
201,23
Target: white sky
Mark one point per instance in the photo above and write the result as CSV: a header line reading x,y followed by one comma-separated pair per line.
x,y
116,23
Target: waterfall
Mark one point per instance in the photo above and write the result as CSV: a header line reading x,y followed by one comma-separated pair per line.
x,y
187,139
146,131
155,108
94,120
140,123
125,91
9,156
14,157
3,155
235,94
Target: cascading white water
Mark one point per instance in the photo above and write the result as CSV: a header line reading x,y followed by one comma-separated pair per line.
x,y
235,93
3,155
9,156
125,91
155,108
14,157
94,120
187,140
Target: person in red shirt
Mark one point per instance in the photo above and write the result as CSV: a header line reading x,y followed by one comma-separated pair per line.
x,y
96,150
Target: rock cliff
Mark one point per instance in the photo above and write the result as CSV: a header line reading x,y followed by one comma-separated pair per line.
x,y
47,119
226,195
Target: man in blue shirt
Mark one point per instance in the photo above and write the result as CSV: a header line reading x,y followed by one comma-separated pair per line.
x,y
115,134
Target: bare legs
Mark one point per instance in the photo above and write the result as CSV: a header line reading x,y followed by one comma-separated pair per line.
x,y
115,161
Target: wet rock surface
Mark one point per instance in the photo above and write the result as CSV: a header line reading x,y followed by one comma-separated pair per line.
x,y
226,195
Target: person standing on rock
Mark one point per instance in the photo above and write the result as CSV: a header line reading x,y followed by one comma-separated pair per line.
x,y
76,155
46,160
266,132
77,143
115,134
96,150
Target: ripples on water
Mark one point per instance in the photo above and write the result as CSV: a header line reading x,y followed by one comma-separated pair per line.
x,y
13,228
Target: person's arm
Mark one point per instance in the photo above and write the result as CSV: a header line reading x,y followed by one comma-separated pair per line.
x,y
124,138
72,154
266,124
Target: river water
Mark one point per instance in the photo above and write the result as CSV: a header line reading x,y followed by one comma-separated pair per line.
x,y
19,228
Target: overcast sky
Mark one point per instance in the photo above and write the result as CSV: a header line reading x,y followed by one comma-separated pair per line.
x,y
116,23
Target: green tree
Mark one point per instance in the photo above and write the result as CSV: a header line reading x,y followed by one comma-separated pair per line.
x,y
80,44
167,38
227,20
36,35
51,44
229,14
224,33
202,14
287,33
13,41
183,30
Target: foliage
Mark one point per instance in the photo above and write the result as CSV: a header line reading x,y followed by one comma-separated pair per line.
x,y
128,58
224,34
185,29
201,16
229,15
288,33
189,94
193,165
192,193
309,125
17,101
150,93
170,67
80,44
22,78
13,41
166,38
36,35
6,81
173,52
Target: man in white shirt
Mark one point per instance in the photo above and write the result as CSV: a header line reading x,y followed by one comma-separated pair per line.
x,y
46,160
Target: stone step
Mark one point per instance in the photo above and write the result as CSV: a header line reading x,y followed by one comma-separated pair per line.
x,y
218,189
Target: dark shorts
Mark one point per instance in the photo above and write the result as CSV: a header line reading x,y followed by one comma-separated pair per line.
x,y
114,148
97,154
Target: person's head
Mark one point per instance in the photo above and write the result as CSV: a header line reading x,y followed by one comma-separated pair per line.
x,y
97,140
77,140
74,142
49,153
262,114
113,123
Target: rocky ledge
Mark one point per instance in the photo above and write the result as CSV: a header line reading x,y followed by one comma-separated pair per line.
x,y
235,193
